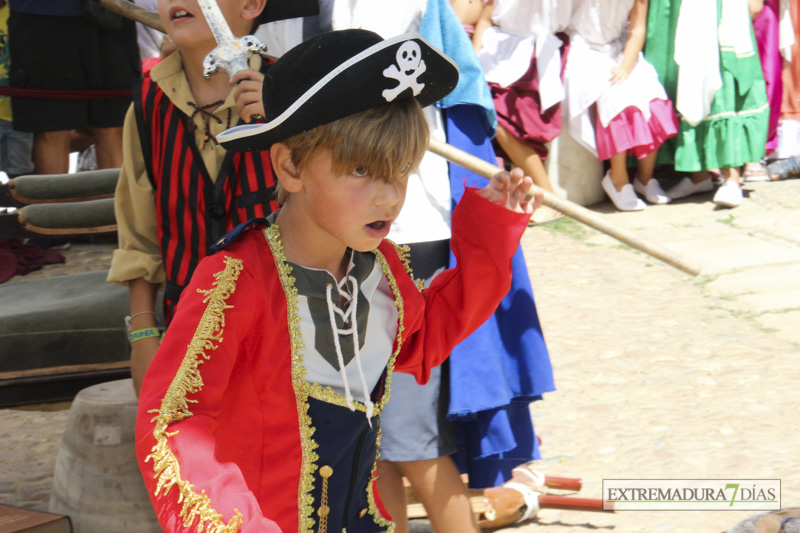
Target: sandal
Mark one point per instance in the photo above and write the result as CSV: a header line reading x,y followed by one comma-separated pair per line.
x,y
510,503
782,169
755,172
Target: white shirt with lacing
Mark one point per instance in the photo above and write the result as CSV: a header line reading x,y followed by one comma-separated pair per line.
x,y
361,306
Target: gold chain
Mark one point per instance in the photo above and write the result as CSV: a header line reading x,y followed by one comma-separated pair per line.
x,y
324,510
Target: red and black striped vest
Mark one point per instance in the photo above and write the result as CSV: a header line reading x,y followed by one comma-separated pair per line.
x,y
193,212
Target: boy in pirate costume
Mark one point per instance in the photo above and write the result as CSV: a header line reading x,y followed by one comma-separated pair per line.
x,y
179,191
260,411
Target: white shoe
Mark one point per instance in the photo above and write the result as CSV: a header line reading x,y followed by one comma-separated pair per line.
x,y
624,200
686,187
729,194
652,192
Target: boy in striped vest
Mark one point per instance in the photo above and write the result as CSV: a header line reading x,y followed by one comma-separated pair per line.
x,y
179,191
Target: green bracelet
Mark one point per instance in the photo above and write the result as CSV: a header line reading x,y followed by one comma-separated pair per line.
x,y
145,333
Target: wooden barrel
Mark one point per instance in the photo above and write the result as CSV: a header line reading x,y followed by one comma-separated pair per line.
x,y
97,480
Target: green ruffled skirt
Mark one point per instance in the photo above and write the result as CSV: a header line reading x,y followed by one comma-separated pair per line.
x,y
735,131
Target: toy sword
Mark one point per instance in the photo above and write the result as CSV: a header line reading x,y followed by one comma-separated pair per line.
x,y
231,54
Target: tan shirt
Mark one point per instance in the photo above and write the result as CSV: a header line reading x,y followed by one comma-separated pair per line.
x,y
138,255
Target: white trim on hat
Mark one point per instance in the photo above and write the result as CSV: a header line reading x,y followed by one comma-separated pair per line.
x,y
249,130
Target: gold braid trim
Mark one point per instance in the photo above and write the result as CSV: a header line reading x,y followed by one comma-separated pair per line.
x,y
303,389
305,501
175,407
398,302
404,254
373,506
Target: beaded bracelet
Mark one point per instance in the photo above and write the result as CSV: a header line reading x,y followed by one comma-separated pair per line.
x,y
129,318
145,333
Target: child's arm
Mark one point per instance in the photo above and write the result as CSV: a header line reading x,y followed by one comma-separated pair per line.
x,y
487,226
178,436
247,93
637,31
137,261
142,295
483,23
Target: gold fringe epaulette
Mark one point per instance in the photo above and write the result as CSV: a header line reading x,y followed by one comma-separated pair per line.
x,y
175,407
404,254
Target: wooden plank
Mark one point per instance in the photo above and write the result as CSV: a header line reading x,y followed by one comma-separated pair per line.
x,y
66,369
59,387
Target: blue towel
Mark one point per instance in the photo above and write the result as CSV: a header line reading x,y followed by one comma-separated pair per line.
x,y
441,28
492,418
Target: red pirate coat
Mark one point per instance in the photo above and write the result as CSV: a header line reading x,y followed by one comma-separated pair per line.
x,y
231,434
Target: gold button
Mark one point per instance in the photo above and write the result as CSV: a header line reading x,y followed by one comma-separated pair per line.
x,y
323,511
326,471
362,513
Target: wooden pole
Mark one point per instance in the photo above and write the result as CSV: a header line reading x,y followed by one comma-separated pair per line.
x,y
563,483
477,165
571,209
132,11
549,501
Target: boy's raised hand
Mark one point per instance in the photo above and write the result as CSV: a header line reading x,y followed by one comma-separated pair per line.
x,y
509,190
247,93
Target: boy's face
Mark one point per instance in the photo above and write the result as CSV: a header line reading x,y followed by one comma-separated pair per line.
x,y
185,24
353,209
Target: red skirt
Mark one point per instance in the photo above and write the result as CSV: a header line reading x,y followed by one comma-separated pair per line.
x,y
519,109
629,131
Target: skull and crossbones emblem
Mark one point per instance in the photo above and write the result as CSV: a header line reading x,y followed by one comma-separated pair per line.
x,y
410,66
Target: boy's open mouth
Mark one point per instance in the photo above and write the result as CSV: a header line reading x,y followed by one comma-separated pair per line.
x,y
377,224
180,14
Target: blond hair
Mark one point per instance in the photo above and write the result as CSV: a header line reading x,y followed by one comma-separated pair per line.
x,y
389,141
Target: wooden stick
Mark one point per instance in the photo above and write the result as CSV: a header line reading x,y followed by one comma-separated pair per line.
x,y
549,501
477,165
571,209
132,11
563,483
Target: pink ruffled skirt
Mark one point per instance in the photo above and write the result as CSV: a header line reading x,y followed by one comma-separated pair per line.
x,y
629,131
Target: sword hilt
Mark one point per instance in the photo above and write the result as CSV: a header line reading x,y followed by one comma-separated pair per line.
x,y
232,56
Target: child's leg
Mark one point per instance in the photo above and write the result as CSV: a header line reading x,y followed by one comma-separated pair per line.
x,y
526,158
393,494
732,174
619,170
415,427
438,485
51,152
646,167
108,147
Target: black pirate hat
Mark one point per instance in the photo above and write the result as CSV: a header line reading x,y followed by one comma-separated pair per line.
x,y
288,9
338,74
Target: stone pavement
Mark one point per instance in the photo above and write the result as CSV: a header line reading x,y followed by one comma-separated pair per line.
x,y
659,375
